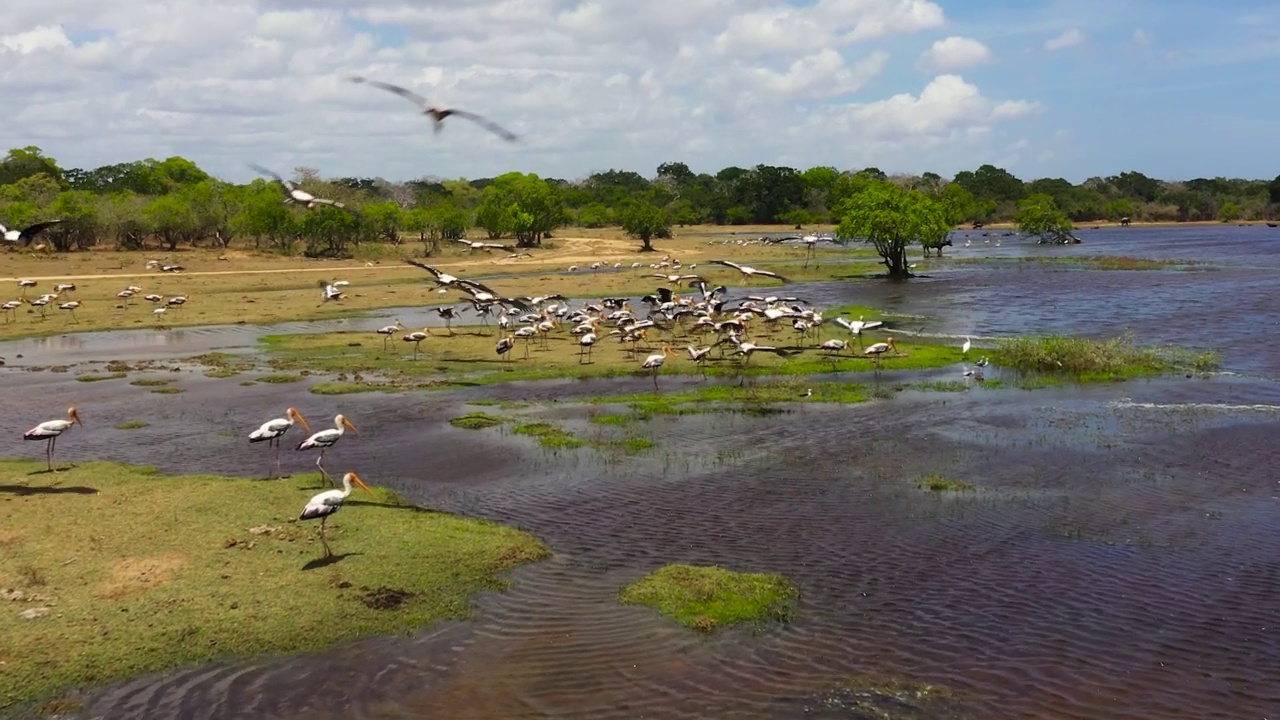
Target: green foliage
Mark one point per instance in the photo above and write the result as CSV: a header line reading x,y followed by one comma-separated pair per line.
x,y
1116,358
1039,216
523,205
1229,212
645,222
707,597
891,218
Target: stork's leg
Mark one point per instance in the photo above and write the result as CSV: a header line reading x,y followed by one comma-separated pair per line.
x,y
278,473
319,464
655,379
327,551
48,453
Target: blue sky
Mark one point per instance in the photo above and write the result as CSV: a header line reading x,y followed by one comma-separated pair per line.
x,y
1175,89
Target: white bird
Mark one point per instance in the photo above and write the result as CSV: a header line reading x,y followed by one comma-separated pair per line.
x,y
585,343
504,346
271,431
416,338
50,430
747,271
325,439
964,349
71,308
654,363
875,351
333,290
387,331
474,245
297,196
438,113
322,505
23,237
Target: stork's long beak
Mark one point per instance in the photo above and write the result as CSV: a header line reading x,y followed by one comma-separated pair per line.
x,y
75,417
350,427
302,420
356,479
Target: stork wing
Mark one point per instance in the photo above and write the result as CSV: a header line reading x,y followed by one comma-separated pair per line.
x,y
496,245
402,92
726,263
32,230
428,268
515,302
263,171
326,201
487,124
464,242
478,286
771,274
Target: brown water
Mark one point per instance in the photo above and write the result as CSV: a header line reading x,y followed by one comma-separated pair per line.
x,y
1121,560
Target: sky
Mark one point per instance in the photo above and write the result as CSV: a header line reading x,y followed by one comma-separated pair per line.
x,y
1176,89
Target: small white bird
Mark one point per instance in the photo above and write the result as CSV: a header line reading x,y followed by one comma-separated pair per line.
x,y
271,431
50,430
322,505
964,349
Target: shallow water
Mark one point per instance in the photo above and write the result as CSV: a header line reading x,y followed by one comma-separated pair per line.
x,y
1118,560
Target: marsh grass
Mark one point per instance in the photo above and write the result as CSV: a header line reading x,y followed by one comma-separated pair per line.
x,y
280,378
168,390
96,377
150,382
476,421
752,399
1086,359
146,572
941,483
707,597
346,387
548,435
221,373
132,425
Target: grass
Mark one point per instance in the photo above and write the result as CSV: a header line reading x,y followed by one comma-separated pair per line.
x,y
221,373
132,425
96,377
708,597
725,398
170,390
1086,359
940,483
280,378
548,435
1101,262
346,387
143,572
150,382
476,421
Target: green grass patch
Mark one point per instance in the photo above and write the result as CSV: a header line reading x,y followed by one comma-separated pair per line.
x,y
131,590
476,421
500,404
96,377
168,390
619,419
280,378
940,386
1090,360
346,387
221,373
751,399
631,445
707,597
222,361
150,382
941,483
548,435
132,425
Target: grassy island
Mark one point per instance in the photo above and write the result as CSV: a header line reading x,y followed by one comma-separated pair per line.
x,y
707,597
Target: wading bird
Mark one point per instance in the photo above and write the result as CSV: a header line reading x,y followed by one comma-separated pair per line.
x,y
416,338
436,112
333,290
23,237
747,272
875,351
585,343
271,431
654,363
475,245
50,430
504,346
387,331
322,505
325,439
297,196
964,349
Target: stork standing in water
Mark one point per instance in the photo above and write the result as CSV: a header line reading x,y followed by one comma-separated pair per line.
x,y
50,430
326,439
271,431
322,505
654,363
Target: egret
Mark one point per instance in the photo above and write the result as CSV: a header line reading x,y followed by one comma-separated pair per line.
x,y
50,430
322,505
325,439
272,430
964,349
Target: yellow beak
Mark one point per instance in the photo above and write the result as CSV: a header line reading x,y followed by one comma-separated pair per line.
x,y
356,479
350,427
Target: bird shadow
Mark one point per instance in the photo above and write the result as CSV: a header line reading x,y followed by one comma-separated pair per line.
x,y
47,490
47,471
327,560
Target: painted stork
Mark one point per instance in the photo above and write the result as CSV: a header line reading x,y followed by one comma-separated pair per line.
x,y
23,237
297,196
654,363
504,347
438,113
333,290
747,272
416,338
49,432
387,331
271,431
326,439
875,351
322,505
585,343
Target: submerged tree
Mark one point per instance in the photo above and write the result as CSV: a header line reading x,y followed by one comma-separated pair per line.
x,y
891,218
1038,216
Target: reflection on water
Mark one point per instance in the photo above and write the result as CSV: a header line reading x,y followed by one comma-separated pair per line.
x,y
1118,559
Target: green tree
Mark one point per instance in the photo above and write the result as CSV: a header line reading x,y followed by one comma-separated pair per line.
x,y
955,203
1273,190
644,221
524,204
595,215
1119,208
891,218
1038,216
28,161
1229,212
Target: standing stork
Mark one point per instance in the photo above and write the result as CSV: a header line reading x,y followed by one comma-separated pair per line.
x,y
416,338
504,346
387,331
585,343
271,431
448,314
875,351
326,439
654,363
50,430
322,505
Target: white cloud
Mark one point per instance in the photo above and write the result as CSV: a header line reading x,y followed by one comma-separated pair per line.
x,y
1068,38
588,84
953,53
1140,37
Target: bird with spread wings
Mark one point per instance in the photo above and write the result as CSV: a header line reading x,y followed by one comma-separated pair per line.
x,y
438,113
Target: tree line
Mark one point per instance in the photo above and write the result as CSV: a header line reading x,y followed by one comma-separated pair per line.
x,y
173,202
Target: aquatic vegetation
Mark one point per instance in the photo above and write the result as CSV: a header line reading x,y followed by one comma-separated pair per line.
x,y
345,387
548,435
221,373
96,377
729,399
476,421
941,483
892,699
707,597
132,425
1087,359
207,578
168,390
150,382
279,378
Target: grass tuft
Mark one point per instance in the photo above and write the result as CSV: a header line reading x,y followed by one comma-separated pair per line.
x,y
549,435
939,483
133,591
96,377
280,378
707,597
150,382
1087,359
346,387
476,421
132,425
169,390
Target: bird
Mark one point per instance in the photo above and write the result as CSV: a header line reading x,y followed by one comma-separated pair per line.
x,y
325,439
585,343
333,290
474,245
964,349
322,505
71,308
654,363
416,338
448,314
747,349
875,351
747,271
50,430
504,347
296,195
438,113
387,331
271,431
808,393
23,237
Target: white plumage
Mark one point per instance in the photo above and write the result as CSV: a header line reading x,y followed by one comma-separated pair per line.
x,y
50,430
325,439
271,431
322,505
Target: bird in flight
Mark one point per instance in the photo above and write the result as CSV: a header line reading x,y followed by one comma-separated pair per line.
x,y
294,194
438,113
23,237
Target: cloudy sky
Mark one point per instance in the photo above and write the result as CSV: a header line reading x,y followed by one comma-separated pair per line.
x,y
1075,88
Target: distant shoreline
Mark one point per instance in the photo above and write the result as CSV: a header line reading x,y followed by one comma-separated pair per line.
x,y
1136,223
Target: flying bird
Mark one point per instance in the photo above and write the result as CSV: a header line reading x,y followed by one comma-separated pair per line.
x,y
297,196
23,237
333,290
436,112
322,505
747,271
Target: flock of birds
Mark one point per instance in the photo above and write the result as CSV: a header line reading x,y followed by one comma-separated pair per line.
x,y
40,304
